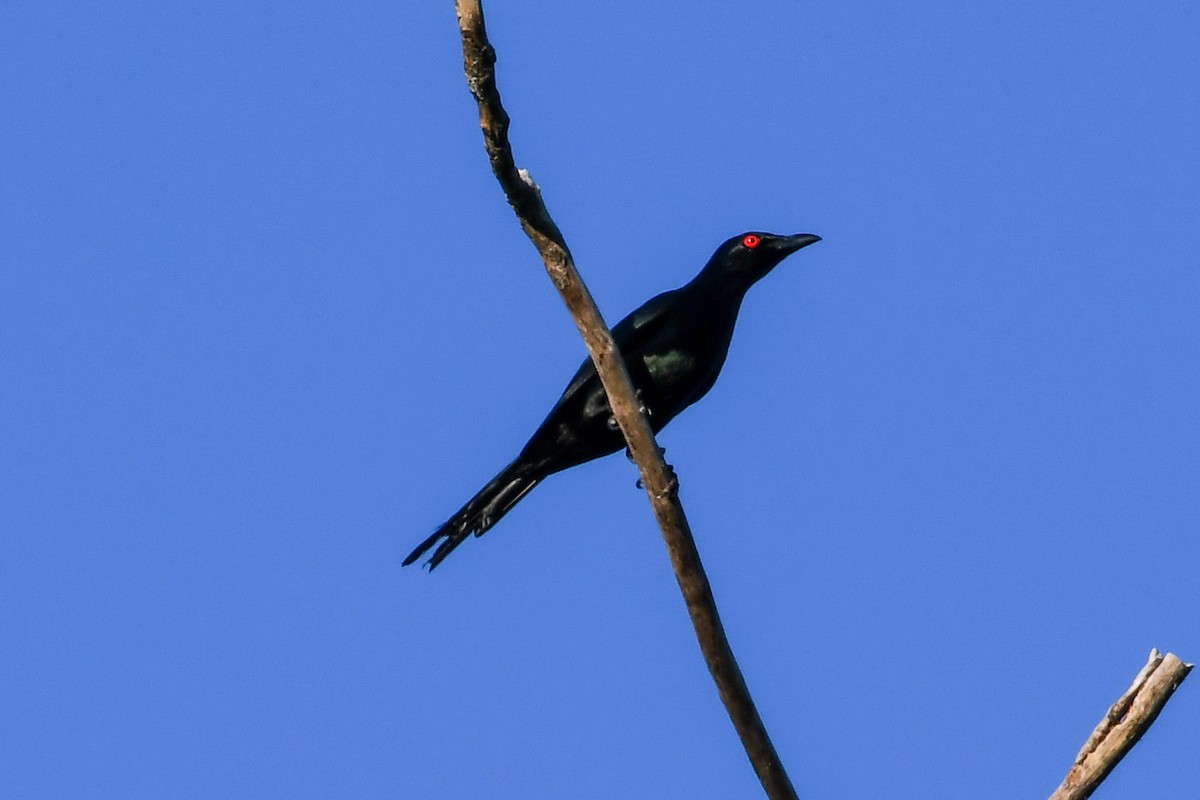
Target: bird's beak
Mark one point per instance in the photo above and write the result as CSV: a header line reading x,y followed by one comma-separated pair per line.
x,y
786,245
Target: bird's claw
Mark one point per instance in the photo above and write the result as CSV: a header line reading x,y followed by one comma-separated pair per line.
x,y
672,479
662,451
642,407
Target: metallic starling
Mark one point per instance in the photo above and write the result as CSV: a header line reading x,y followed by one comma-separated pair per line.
x,y
674,347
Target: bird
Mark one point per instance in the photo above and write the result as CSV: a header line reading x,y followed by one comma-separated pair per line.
x,y
674,346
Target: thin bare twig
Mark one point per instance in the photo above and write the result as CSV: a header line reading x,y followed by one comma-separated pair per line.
x,y
1123,725
524,196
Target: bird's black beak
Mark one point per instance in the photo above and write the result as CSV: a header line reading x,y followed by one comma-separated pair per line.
x,y
786,245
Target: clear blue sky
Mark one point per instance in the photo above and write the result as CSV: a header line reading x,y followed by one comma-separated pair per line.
x,y
265,320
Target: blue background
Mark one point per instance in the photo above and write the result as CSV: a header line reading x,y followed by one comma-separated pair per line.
x,y
266,319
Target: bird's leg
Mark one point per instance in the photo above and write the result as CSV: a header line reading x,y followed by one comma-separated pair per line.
x,y
645,409
670,469
672,480
629,455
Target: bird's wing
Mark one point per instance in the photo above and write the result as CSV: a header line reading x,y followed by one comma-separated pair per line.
x,y
629,333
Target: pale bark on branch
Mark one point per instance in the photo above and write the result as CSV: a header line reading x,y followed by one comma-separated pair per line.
x,y
1123,725
660,482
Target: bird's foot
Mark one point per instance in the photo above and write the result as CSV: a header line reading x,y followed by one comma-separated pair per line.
x,y
642,407
672,483
672,480
662,451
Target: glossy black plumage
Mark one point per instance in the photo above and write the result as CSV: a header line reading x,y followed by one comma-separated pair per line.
x,y
674,346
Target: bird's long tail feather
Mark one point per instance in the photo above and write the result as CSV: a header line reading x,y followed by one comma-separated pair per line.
x,y
482,512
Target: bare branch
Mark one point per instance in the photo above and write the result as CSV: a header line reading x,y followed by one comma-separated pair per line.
x,y
1123,725
479,60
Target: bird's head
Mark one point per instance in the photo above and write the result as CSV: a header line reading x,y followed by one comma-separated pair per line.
x,y
745,258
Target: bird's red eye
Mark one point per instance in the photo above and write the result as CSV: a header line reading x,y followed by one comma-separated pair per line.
x,y
751,241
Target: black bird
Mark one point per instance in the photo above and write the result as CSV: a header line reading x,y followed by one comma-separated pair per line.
x,y
674,346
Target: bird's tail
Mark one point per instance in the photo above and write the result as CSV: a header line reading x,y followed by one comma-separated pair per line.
x,y
482,512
